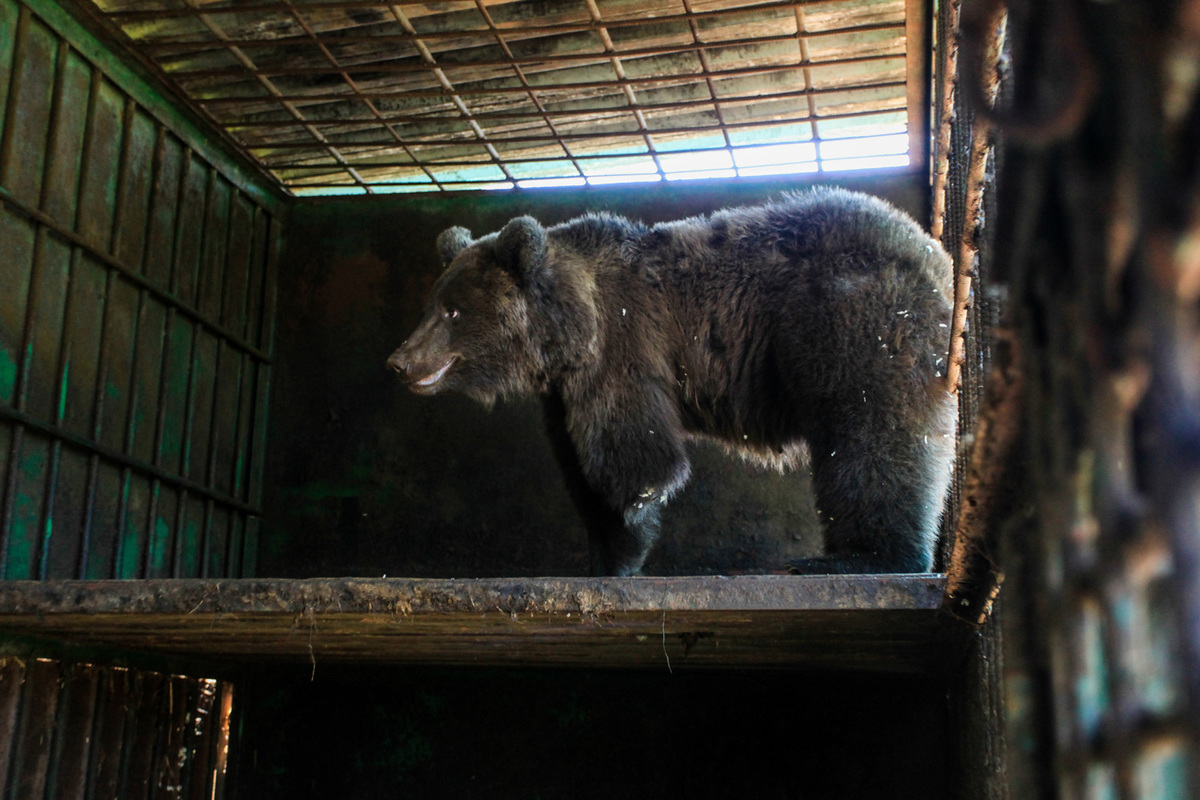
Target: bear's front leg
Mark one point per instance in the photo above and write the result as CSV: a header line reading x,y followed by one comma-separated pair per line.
x,y
622,461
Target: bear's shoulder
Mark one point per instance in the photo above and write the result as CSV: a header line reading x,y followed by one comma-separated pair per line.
x,y
597,230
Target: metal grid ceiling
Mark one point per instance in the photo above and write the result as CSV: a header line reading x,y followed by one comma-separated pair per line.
x,y
363,96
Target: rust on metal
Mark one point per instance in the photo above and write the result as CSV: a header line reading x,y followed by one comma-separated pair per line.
x,y
449,84
973,576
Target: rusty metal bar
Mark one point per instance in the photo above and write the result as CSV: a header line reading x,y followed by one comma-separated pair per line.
x,y
248,174
966,259
59,417
24,366
583,111
23,420
175,48
270,87
312,36
948,56
89,516
706,70
465,162
452,91
596,135
9,498
520,73
126,272
394,68
809,98
211,467
619,83
975,572
510,61
9,133
118,224
327,5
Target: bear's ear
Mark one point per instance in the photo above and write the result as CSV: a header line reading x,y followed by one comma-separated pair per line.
x,y
521,250
451,242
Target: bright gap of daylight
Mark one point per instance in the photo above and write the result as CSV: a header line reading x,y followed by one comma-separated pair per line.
x,y
703,159
830,155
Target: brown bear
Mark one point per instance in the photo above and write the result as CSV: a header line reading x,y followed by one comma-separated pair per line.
x,y
812,330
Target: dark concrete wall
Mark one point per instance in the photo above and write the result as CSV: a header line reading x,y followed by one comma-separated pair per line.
x,y
367,479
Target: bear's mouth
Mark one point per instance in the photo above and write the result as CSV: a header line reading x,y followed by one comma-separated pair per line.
x,y
437,375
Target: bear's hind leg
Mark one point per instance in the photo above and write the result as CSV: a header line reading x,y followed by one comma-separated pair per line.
x,y
879,498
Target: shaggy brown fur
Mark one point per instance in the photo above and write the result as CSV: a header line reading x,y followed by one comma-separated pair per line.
x,y
817,323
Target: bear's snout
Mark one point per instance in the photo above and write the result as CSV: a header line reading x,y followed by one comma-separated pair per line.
x,y
422,372
398,362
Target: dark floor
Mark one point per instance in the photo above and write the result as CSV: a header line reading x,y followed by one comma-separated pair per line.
x,y
496,733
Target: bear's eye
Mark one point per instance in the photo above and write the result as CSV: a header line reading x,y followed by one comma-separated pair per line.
x,y
449,314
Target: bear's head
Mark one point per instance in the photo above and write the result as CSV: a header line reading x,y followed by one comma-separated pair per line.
x,y
483,328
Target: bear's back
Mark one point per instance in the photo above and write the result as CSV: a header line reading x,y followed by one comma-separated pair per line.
x,y
806,299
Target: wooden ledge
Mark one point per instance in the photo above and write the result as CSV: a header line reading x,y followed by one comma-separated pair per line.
x,y
886,622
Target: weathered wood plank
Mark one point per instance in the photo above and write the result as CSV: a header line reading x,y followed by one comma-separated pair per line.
x,y
189,229
35,736
60,191
214,249
66,515
17,254
73,738
133,199
863,622
203,390
237,268
176,378
226,396
187,126
117,363
83,328
26,517
147,378
166,777
9,14
148,710
28,120
7,484
160,238
135,527
162,531
216,542
202,741
189,538
48,301
105,523
101,163
12,679
105,759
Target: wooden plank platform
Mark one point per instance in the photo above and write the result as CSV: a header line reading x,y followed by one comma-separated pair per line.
x,y
858,622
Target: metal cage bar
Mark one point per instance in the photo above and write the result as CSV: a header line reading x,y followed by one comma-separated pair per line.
x,y
140,288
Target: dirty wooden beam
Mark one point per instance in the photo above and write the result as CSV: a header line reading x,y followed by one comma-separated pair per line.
x,y
861,622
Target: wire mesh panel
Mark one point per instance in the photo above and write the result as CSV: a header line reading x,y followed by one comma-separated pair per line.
x,y
367,96
135,328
